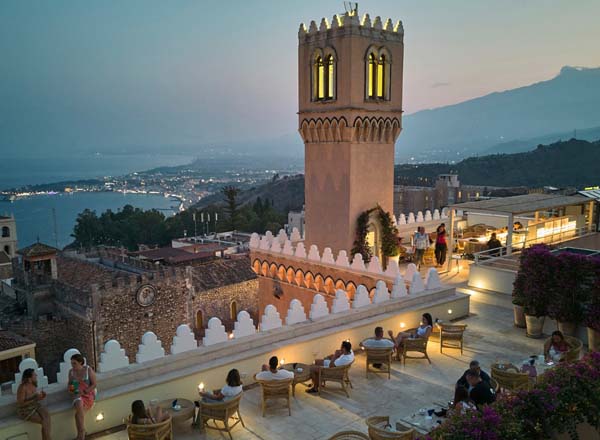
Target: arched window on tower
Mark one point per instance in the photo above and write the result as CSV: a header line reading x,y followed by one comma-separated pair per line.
x,y
377,75
330,66
5,231
371,76
323,75
234,310
381,77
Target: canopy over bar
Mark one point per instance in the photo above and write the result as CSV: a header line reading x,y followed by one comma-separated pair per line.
x,y
520,204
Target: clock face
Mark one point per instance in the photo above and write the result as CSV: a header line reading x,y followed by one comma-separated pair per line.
x,y
145,295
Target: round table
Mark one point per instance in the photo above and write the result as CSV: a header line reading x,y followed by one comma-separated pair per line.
x,y
299,376
185,413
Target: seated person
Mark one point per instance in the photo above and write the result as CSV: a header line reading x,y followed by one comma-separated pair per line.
x,y
271,372
341,357
423,331
462,402
378,342
474,365
29,407
232,388
142,416
556,348
480,392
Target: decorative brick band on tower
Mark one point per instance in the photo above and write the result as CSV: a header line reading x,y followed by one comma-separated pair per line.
x,y
350,109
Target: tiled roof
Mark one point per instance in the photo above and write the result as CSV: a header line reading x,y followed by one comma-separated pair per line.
x,y
81,273
222,272
177,255
37,250
9,340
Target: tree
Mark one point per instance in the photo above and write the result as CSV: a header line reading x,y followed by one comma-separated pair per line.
x,y
231,208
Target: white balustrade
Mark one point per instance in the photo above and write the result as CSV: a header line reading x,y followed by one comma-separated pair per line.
x,y
270,319
318,308
244,326
112,357
183,340
361,297
340,302
150,348
215,332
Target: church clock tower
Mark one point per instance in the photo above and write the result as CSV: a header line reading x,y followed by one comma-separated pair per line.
x,y
350,109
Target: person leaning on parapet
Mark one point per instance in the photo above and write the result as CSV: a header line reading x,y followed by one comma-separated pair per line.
x,y
29,407
378,342
474,365
272,372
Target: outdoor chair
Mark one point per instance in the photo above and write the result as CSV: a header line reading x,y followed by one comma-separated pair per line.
x,y
276,389
156,431
335,374
417,345
451,336
429,256
378,355
575,346
377,429
221,412
510,378
349,435
494,385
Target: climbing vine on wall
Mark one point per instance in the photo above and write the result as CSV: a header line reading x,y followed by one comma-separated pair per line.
x,y
389,242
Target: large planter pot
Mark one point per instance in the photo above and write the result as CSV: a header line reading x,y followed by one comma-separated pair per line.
x,y
567,328
535,326
593,339
519,313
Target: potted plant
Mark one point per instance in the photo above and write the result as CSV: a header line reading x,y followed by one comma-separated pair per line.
x,y
533,283
573,282
518,311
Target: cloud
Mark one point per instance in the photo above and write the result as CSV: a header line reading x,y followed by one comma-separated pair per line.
x,y
439,84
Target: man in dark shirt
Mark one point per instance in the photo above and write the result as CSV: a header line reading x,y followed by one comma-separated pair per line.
x,y
474,365
481,392
494,245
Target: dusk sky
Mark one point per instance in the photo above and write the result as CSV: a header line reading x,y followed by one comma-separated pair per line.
x,y
112,74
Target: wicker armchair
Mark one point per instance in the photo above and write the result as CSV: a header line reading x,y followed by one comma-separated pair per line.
x,y
156,431
378,355
276,389
575,346
377,430
417,345
335,374
451,335
510,380
349,435
222,412
494,385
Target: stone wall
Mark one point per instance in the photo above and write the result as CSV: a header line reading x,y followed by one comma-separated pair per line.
x,y
217,302
120,317
55,336
6,271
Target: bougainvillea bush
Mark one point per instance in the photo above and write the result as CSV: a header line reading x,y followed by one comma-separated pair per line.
x,y
564,397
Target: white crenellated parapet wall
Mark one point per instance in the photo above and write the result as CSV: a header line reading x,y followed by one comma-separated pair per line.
x,y
113,357
291,249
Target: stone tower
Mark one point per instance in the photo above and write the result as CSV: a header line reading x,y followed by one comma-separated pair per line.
x,y
350,109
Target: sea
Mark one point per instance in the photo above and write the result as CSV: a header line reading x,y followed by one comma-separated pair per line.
x,y
51,218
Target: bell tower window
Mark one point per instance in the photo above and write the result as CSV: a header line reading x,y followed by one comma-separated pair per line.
x,y
323,76
377,78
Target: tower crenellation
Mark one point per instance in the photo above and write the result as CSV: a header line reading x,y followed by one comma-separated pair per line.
x,y
351,23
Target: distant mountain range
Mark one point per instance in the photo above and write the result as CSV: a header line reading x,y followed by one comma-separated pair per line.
x,y
573,163
504,120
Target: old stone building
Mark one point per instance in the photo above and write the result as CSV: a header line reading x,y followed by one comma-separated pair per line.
x,y
84,300
8,245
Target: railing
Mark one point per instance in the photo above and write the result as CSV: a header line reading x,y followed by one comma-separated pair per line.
x,y
503,253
